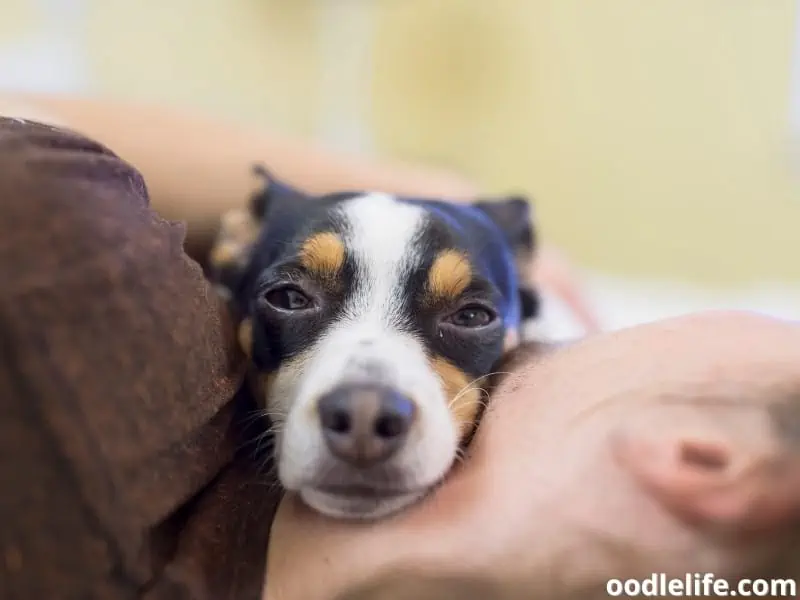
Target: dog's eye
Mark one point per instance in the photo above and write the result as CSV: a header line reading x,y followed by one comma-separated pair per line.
x,y
288,298
471,316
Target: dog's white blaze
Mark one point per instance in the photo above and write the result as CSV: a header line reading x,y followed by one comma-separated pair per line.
x,y
381,236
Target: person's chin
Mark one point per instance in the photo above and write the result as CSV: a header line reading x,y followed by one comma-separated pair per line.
x,y
362,505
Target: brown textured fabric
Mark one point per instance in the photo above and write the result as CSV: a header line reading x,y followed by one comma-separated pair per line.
x,y
118,425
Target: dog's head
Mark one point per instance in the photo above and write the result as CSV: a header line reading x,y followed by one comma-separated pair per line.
x,y
373,322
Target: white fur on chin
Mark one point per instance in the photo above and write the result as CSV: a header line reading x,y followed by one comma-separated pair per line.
x,y
356,508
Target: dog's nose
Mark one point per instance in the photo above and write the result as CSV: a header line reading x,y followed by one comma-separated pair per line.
x,y
365,424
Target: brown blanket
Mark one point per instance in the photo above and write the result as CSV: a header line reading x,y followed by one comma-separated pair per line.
x,y
121,445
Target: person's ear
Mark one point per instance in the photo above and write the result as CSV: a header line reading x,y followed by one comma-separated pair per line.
x,y
239,229
712,485
513,215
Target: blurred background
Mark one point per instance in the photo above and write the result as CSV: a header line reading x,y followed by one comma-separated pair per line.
x,y
660,140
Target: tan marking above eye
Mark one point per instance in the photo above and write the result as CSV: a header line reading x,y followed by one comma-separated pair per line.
x,y
464,398
323,254
449,275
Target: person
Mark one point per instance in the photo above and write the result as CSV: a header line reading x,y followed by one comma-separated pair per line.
x,y
126,471
669,448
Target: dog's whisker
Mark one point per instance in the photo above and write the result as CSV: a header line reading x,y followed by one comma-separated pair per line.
x,y
266,414
267,469
274,427
252,417
460,456
467,388
263,443
461,394
481,401
464,391
275,415
258,446
489,375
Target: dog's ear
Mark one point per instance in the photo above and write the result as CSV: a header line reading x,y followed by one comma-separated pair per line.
x,y
513,215
239,229
271,193
530,301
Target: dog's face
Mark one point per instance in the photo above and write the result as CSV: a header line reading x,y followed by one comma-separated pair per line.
x,y
373,323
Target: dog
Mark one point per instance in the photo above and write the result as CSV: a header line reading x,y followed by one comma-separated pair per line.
x,y
372,323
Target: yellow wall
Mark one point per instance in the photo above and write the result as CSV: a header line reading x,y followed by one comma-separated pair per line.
x,y
250,60
19,17
651,133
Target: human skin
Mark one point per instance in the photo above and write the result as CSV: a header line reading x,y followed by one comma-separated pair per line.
x,y
670,447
